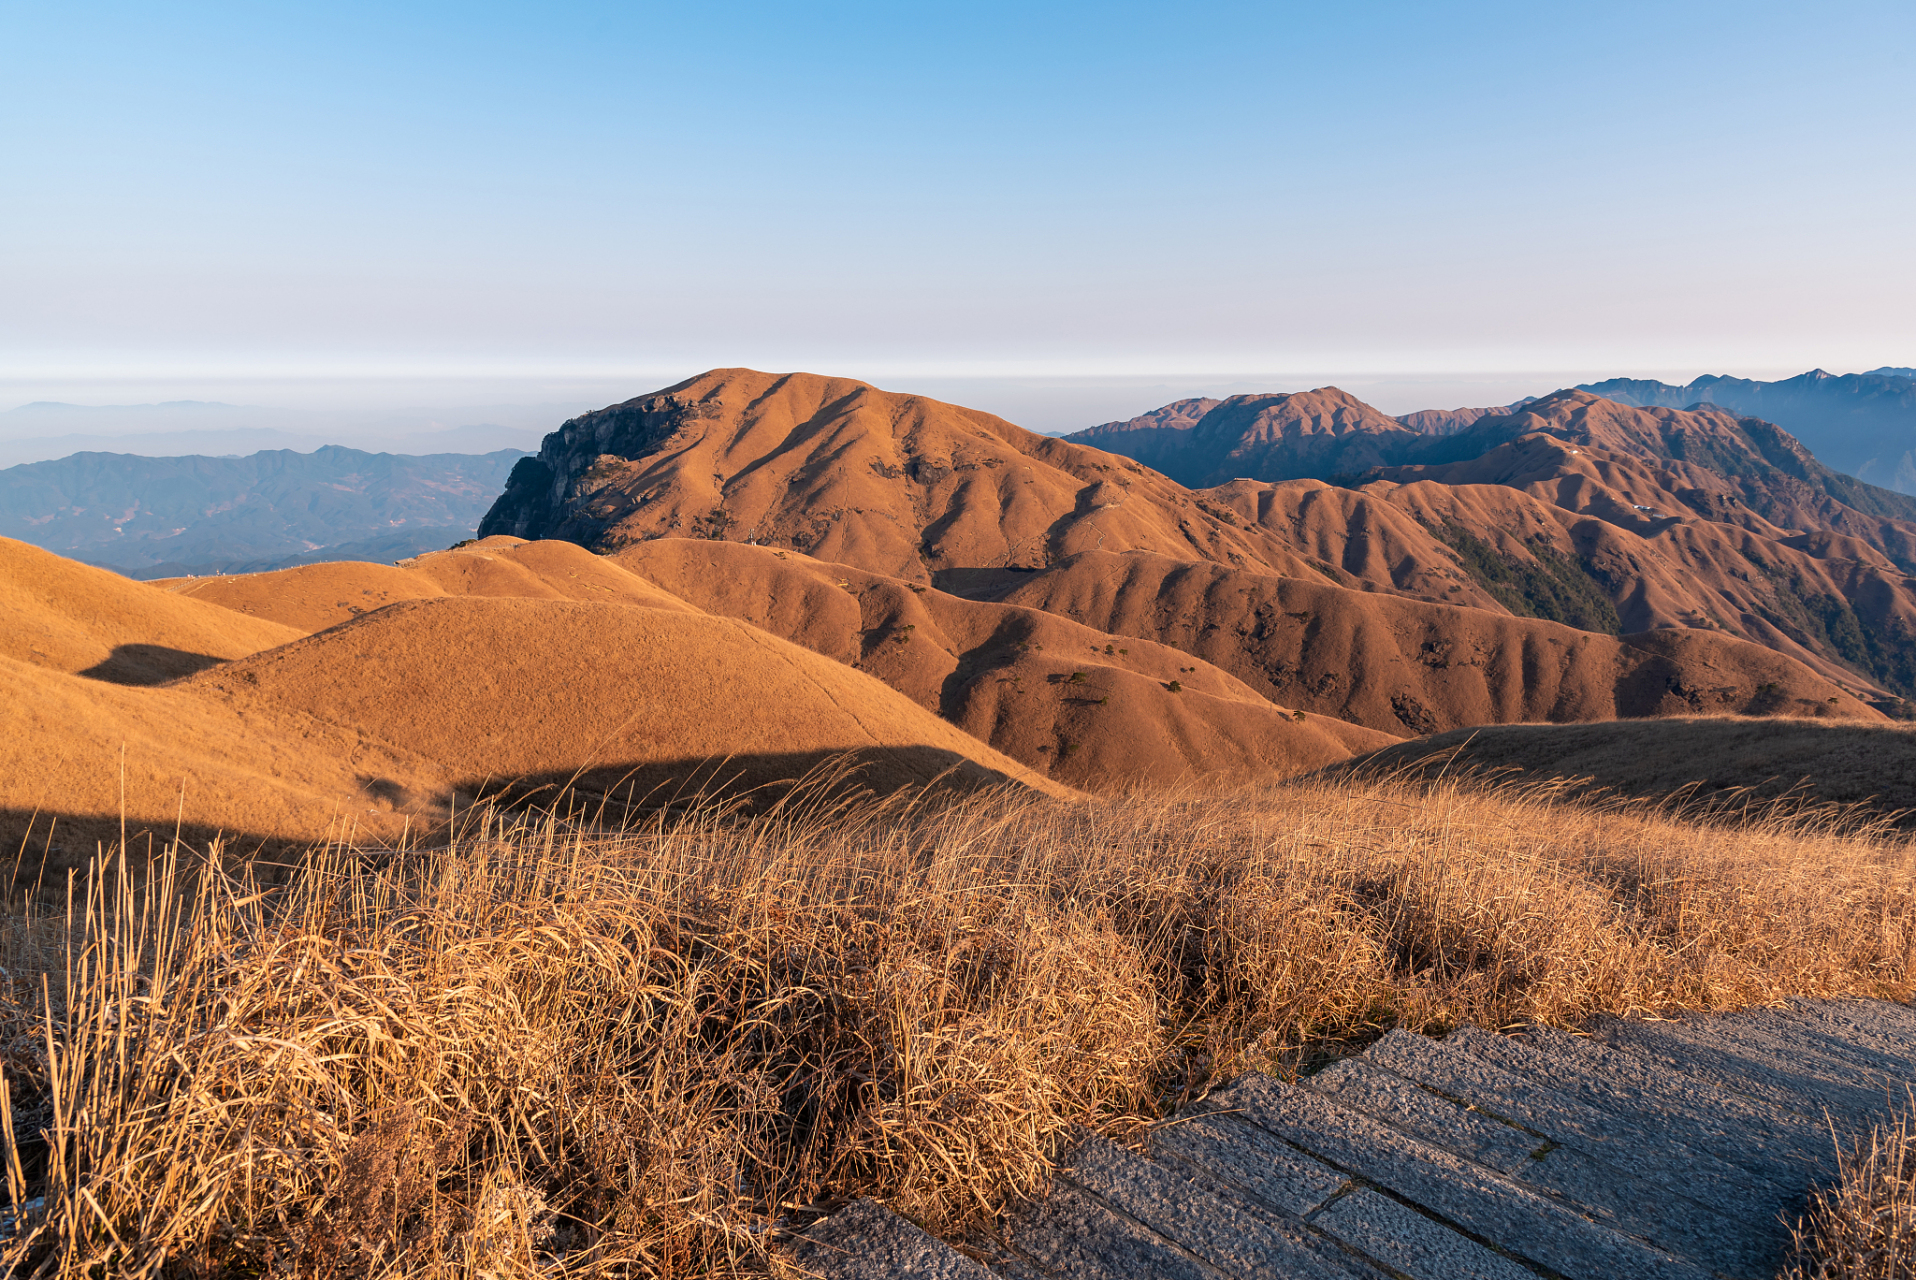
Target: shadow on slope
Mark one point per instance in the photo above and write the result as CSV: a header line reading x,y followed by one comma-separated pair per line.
x,y
49,842
147,664
1714,761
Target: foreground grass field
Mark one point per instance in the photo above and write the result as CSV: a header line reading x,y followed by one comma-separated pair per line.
x,y
552,1050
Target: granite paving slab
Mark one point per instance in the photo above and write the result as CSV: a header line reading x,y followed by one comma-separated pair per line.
x,y
1654,1150
1481,1202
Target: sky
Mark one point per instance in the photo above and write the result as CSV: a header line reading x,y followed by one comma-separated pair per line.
x,y
1065,207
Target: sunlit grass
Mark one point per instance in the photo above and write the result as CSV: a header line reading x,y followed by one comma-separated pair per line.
x,y
552,1049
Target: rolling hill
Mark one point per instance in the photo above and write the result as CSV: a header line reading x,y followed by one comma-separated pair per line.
x,y
1088,709
1706,762
388,724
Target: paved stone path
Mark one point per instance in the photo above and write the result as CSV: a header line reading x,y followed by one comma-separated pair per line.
x,y
1654,1149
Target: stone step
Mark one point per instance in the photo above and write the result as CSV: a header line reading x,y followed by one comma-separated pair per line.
x,y
1251,1161
866,1241
1619,1199
1847,1048
1410,1244
1853,1063
1881,1024
1227,1231
1728,1053
1262,1168
1780,1149
1651,1154
1072,1235
1481,1203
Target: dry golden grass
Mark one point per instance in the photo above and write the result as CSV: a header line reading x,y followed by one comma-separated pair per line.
x,y
545,1050
1864,1228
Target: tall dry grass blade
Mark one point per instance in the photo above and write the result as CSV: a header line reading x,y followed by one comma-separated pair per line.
x,y
1864,1227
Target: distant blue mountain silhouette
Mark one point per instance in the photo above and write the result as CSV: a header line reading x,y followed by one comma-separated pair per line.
x,y
1862,424
165,517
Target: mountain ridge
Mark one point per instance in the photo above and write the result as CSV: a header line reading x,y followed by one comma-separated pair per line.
x,y
943,496
1861,424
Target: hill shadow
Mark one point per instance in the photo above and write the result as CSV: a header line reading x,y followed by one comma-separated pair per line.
x,y
148,664
743,784
1719,763
49,843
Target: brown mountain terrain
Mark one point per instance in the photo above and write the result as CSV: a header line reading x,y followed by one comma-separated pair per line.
x,y
1096,710
1317,433
1448,422
314,597
1326,434
895,484
1408,666
1670,544
67,616
1057,696
385,722
1545,524
1610,518
1159,439
546,693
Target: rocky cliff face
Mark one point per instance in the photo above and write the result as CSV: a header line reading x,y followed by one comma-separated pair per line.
x,y
551,494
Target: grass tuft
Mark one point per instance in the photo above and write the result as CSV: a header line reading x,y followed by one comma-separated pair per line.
x,y
1864,1228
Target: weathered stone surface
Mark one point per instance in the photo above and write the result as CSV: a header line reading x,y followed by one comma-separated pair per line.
x,y
1226,1231
1360,1084
1406,1241
1883,1024
1729,1054
1854,1066
1620,1141
1839,1050
1781,1149
1613,1196
1072,1235
1250,1160
866,1241
1483,1203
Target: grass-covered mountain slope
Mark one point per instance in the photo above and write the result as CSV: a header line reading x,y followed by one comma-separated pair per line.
x,y
1570,509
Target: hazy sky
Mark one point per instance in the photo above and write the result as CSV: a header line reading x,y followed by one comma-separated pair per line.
x,y
196,194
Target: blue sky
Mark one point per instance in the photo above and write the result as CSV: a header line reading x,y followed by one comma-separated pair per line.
x,y
600,193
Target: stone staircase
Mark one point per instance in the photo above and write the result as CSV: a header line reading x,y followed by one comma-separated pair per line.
x,y
1654,1149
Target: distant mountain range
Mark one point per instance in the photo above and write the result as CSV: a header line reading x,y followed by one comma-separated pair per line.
x,y
1863,424
170,517
49,429
1683,513
1579,508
